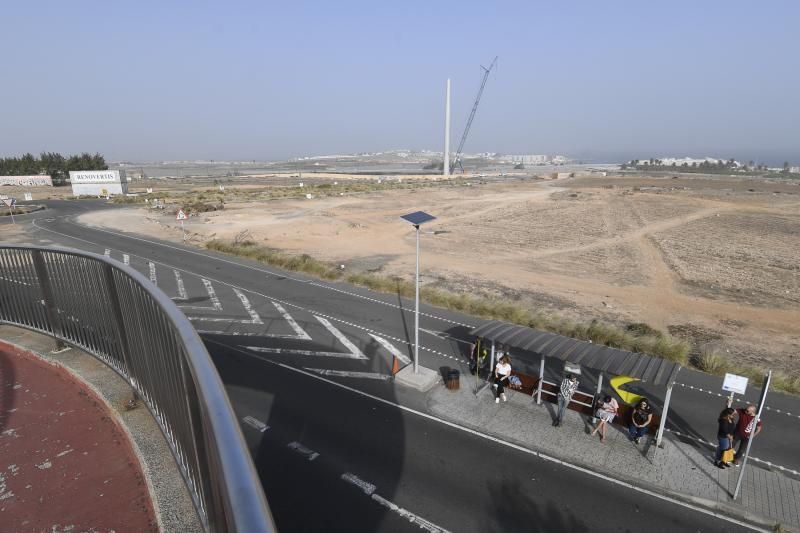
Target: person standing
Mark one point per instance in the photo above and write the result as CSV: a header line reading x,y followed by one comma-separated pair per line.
x,y
725,431
478,355
640,419
606,413
744,431
501,374
568,387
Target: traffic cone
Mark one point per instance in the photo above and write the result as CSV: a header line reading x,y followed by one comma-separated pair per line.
x,y
395,365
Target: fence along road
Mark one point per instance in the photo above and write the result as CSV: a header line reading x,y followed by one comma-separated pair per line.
x,y
116,314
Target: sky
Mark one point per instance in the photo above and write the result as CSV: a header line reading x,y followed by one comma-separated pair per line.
x,y
236,80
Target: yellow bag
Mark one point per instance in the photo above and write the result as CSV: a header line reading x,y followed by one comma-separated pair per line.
x,y
728,456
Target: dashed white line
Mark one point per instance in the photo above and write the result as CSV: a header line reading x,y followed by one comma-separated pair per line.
x,y
152,267
255,423
301,334
181,288
369,489
302,450
126,259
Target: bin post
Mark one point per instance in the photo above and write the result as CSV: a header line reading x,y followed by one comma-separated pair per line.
x,y
663,422
541,382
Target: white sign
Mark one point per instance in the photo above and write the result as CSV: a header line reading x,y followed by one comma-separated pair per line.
x,y
181,215
149,190
734,383
27,181
8,201
28,197
95,176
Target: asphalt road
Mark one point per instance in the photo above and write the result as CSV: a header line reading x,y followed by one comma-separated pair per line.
x,y
255,317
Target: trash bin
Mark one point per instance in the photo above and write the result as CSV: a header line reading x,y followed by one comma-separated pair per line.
x,y
453,381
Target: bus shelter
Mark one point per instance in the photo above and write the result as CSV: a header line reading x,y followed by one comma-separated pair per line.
x,y
602,359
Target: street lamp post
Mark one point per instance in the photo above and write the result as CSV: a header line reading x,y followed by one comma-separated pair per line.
x,y
417,219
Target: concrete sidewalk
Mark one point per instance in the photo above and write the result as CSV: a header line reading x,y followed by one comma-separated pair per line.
x,y
71,456
682,468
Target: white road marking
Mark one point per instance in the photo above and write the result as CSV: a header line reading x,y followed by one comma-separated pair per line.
x,y
302,450
254,318
212,295
497,440
348,374
443,335
289,351
391,349
106,252
301,334
369,490
152,267
256,423
181,288
340,336
126,259
365,486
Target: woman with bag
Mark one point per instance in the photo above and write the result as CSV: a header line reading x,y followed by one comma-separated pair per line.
x,y
725,431
606,413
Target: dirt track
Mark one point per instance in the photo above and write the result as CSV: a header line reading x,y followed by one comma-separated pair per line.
x,y
715,258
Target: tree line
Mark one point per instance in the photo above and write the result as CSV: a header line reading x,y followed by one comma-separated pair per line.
x,y
52,164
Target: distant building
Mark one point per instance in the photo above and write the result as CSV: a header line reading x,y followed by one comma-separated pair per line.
x,y
529,159
794,170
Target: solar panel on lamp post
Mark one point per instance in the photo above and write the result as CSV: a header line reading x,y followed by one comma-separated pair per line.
x,y
416,219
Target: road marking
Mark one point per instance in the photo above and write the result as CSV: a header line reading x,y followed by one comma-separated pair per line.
x,y
290,351
391,349
302,450
284,302
126,259
106,252
369,489
340,336
301,334
497,440
181,288
152,267
365,486
212,295
256,423
348,374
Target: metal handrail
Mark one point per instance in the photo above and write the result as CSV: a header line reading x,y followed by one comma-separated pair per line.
x,y
114,313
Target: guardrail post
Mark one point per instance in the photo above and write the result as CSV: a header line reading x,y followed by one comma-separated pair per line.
x,y
47,297
122,336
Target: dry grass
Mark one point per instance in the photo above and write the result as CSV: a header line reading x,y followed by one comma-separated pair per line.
x,y
711,361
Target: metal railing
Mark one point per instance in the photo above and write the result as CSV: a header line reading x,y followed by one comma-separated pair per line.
x,y
116,314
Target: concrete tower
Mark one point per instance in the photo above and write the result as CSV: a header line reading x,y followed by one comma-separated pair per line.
x,y
447,131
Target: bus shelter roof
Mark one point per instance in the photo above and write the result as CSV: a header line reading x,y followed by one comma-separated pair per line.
x,y
611,361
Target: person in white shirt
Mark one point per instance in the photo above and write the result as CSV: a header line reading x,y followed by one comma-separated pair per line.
x,y
501,374
606,413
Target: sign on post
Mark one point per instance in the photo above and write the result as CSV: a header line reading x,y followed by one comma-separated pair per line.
x,y
734,383
181,216
10,203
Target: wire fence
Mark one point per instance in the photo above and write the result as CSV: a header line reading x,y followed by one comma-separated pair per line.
x,y
117,315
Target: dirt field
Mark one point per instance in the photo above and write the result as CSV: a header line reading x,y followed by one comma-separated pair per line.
x,y
710,259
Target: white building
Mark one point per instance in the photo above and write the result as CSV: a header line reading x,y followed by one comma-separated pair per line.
x,y
529,159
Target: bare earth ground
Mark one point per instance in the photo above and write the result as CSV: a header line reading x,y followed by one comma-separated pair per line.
x,y
711,259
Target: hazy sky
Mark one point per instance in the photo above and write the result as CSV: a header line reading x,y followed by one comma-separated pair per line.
x,y
266,80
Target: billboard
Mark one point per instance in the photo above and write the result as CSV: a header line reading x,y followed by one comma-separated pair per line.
x,y
27,181
95,176
98,182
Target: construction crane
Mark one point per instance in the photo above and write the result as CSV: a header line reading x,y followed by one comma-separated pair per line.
x,y
457,159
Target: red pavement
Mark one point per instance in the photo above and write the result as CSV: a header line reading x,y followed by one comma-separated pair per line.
x,y
65,464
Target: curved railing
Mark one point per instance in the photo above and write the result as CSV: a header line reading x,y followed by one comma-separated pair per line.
x,y
116,314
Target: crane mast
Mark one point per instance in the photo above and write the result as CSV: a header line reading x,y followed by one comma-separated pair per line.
x,y
457,158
